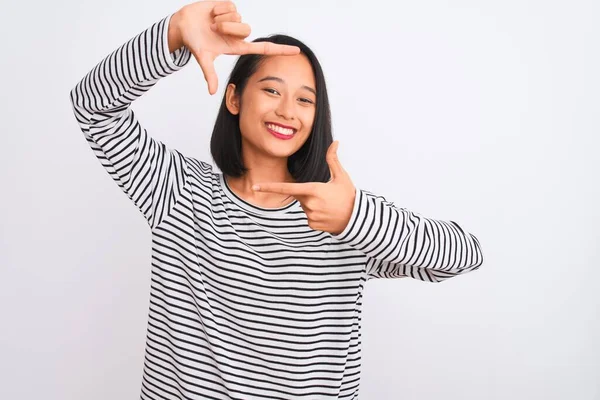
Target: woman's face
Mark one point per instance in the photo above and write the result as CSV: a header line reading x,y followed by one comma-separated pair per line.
x,y
280,92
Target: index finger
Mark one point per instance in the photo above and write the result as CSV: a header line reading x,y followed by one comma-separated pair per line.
x,y
294,189
269,48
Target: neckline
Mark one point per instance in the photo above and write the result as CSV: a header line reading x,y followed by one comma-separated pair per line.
x,y
249,207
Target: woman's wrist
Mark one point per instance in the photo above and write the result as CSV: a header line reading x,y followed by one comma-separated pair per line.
x,y
174,35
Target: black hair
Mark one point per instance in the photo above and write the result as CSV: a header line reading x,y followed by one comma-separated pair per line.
x,y
308,164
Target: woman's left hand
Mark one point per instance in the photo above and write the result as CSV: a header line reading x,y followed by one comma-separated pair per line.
x,y
328,206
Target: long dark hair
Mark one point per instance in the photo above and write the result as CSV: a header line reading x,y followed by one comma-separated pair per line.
x,y
308,164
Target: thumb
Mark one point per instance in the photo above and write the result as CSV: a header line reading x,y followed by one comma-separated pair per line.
x,y
205,59
335,168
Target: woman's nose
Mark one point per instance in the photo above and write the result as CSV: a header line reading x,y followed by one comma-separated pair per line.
x,y
286,108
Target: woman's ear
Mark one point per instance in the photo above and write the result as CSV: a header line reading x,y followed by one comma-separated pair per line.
x,y
232,101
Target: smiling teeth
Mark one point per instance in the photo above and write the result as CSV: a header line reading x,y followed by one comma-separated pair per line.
x,y
281,130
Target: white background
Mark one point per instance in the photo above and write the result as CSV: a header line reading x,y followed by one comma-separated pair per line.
x,y
482,112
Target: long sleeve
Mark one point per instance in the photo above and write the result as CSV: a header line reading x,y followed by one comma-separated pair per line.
x,y
400,243
153,176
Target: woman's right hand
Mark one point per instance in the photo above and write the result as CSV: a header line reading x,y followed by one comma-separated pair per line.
x,y
211,28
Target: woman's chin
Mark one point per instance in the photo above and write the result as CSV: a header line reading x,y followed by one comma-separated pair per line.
x,y
280,150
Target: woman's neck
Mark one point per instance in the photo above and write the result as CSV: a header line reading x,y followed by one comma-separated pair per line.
x,y
242,187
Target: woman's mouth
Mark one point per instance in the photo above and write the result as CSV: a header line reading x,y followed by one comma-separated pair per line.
x,y
280,132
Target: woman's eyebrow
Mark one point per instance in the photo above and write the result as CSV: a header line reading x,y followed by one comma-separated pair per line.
x,y
277,79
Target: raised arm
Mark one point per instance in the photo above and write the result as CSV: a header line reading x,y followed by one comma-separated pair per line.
x,y
152,176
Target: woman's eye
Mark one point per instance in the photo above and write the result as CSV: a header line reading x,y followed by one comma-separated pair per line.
x,y
273,91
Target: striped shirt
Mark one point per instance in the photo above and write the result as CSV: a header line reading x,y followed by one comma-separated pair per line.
x,y
247,302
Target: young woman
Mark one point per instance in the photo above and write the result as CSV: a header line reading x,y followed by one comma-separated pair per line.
x,y
255,294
